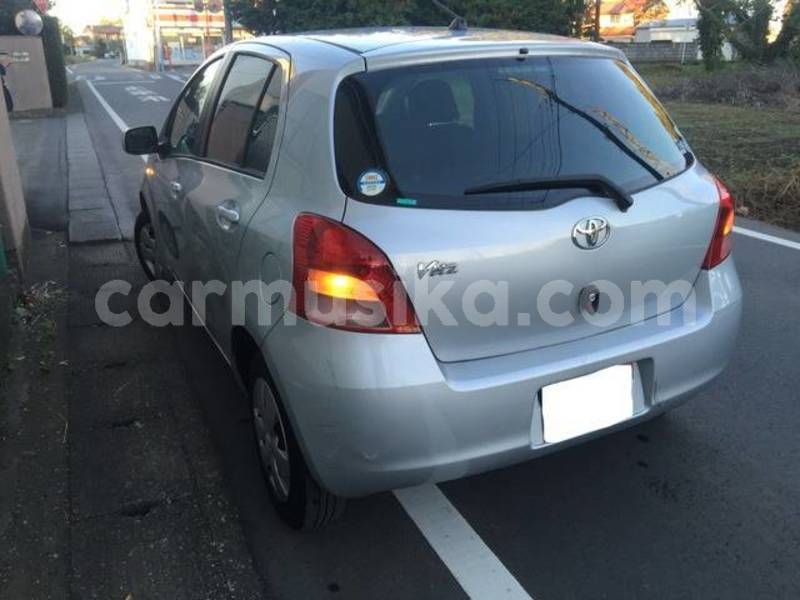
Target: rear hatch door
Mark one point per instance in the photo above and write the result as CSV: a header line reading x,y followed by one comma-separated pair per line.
x,y
503,271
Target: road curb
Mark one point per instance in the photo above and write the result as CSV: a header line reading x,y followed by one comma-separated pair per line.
x,y
90,212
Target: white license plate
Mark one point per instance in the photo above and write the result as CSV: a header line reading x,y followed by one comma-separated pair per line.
x,y
577,406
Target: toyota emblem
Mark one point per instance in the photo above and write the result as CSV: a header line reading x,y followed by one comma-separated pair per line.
x,y
591,233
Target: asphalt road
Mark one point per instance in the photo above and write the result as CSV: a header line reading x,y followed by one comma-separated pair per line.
x,y
701,504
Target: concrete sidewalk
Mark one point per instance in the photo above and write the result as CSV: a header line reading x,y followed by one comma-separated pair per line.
x,y
151,515
111,487
64,185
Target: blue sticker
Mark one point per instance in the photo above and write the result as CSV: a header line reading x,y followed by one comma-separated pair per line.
x,y
372,182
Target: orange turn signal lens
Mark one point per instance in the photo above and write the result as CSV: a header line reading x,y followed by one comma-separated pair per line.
x,y
338,285
727,227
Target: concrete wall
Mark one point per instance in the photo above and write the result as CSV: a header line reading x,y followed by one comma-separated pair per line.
x,y
13,216
27,76
667,52
666,34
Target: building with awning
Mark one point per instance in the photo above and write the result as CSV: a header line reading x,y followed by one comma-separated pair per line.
x,y
174,32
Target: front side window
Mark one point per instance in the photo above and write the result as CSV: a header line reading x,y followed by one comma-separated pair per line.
x,y
243,128
185,135
439,131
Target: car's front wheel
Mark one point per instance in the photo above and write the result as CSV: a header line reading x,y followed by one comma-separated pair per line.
x,y
297,497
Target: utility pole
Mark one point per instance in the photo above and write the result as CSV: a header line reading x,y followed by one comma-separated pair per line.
x,y
226,10
597,4
158,56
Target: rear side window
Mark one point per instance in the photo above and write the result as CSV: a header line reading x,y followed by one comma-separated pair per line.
x,y
185,133
435,131
258,150
243,127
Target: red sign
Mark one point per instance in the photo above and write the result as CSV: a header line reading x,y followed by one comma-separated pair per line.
x,y
41,5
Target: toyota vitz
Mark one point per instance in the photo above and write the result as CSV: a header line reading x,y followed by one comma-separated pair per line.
x,y
499,244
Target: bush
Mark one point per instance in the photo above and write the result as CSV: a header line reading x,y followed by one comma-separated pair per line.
x,y
777,86
54,57
771,196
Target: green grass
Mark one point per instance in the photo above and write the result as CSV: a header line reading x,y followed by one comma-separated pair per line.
x,y
756,152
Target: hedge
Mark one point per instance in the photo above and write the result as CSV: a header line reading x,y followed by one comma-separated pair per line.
x,y
54,57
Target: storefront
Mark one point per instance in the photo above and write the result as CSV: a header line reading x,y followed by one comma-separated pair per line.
x,y
173,33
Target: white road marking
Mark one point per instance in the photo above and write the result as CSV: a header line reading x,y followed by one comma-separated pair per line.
x,y
155,76
478,571
69,70
144,95
177,78
123,127
767,238
126,82
98,78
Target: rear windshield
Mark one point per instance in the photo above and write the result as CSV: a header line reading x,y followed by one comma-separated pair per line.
x,y
424,135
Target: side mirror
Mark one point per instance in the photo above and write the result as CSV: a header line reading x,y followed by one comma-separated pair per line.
x,y
142,140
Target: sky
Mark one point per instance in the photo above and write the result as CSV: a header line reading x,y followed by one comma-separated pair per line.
x,y
681,9
80,13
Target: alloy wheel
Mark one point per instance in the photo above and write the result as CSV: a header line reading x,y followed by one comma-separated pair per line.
x,y
272,442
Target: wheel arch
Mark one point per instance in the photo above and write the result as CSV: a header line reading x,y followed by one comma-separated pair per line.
x,y
143,204
243,349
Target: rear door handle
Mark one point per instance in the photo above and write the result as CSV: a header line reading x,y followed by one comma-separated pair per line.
x,y
228,215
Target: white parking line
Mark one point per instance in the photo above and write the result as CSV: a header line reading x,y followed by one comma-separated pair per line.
x,y
478,571
767,238
123,127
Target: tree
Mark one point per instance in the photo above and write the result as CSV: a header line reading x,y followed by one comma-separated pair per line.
x,y
54,58
100,48
745,24
710,28
277,16
68,37
654,10
789,36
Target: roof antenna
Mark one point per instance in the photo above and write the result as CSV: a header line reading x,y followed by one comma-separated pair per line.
x,y
458,23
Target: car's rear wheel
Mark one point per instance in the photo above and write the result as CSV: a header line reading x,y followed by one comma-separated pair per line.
x,y
144,236
297,497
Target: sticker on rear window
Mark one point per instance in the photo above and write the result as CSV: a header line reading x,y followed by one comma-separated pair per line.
x,y
372,182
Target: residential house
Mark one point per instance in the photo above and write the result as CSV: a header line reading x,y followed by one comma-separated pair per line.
x,y
618,19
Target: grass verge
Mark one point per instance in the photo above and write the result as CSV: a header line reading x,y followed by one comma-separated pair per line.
x,y
756,152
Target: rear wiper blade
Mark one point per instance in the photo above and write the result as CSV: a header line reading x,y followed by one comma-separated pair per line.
x,y
594,183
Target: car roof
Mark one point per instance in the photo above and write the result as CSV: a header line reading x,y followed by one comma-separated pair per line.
x,y
366,40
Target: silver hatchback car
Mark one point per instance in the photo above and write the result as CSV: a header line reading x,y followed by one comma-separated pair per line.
x,y
429,253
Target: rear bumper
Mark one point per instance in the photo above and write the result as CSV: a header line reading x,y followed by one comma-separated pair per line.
x,y
376,412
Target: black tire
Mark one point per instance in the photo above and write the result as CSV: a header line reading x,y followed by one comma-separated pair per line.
x,y
300,502
143,234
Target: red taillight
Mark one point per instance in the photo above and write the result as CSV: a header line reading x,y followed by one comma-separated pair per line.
x,y
722,240
343,280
